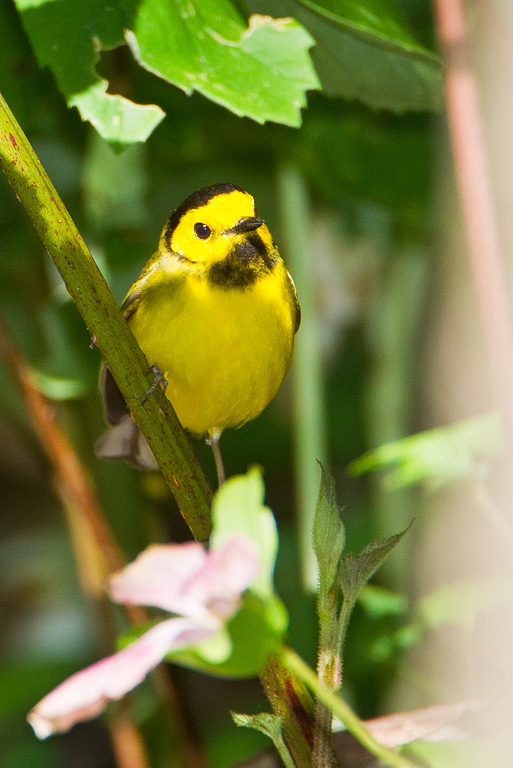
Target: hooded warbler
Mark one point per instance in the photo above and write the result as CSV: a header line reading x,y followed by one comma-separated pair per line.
x,y
215,311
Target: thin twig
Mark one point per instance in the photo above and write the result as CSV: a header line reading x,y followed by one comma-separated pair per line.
x,y
73,484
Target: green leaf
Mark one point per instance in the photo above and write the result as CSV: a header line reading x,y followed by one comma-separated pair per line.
x,y
356,570
258,627
238,510
365,51
437,456
68,37
270,725
117,119
328,533
265,722
261,71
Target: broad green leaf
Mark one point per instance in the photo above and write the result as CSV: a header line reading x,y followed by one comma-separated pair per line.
x,y
261,71
365,51
328,533
356,570
437,456
68,38
238,510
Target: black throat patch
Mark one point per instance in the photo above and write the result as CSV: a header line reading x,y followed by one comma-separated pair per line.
x,y
246,263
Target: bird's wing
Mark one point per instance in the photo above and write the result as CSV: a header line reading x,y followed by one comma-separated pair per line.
x,y
295,302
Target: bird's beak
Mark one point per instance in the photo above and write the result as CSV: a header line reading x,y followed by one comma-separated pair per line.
x,y
245,225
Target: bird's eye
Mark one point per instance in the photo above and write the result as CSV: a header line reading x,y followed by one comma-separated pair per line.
x,y
202,231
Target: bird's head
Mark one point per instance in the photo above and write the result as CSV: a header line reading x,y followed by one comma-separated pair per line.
x,y
216,223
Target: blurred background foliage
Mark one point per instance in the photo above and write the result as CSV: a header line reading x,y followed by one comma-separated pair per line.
x,y
369,175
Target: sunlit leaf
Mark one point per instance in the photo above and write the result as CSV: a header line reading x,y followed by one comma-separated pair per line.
x,y
117,119
60,389
261,71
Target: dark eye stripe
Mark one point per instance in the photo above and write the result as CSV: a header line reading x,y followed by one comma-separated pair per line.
x,y
202,231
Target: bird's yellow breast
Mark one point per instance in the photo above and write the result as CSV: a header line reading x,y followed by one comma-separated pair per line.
x,y
223,352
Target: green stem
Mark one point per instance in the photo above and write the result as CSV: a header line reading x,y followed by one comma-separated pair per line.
x,y
284,753
109,331
307,375
328,671
345,714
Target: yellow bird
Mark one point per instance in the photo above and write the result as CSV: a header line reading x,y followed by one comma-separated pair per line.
x,y
215,311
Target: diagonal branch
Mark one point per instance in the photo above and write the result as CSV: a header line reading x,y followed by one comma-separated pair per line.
x,y
109,331
129,367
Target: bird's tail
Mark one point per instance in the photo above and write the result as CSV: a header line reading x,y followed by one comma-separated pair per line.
x,y
126,441
123,439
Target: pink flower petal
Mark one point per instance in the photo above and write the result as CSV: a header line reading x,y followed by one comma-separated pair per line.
x,y
226,574
187,580
159,577
85,694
